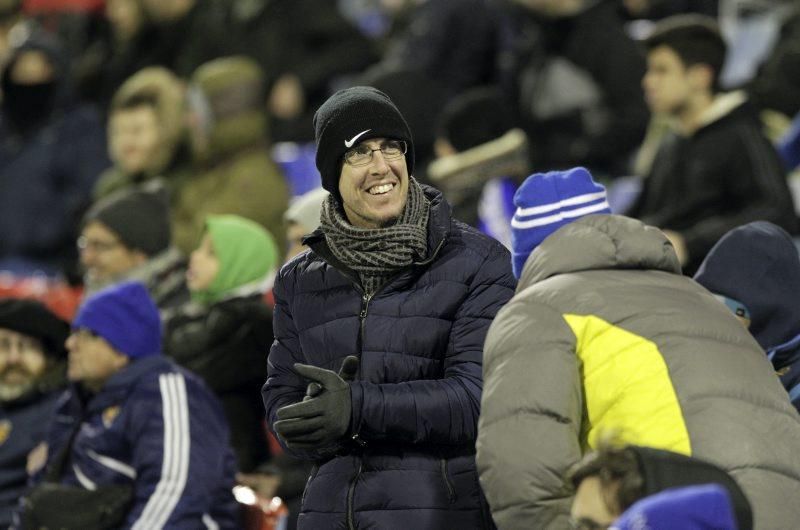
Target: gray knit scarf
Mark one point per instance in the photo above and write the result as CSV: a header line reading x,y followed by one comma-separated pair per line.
x,y
377,253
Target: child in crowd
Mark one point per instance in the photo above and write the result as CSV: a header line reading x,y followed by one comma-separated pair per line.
x,y
223,334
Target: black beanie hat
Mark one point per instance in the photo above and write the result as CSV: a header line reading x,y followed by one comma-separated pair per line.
x,y
140,217
32,318
662,470
349,117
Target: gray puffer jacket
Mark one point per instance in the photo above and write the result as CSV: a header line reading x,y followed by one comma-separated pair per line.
x,y
604,334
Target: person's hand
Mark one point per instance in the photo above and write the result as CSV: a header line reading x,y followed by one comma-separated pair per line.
x,y
265,485
679,244
324,414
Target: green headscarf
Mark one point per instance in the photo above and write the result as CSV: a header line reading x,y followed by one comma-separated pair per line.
x,y
246,251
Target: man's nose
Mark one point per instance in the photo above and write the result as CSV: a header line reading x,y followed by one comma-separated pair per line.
x,y
378,164
14,355
87,256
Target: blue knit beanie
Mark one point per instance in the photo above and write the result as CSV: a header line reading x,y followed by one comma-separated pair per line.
x,y
125,316
703,507
547,201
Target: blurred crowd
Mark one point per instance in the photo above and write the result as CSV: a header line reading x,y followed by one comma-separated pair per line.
x,y
170,144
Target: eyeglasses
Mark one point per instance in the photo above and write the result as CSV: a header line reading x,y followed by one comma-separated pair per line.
x,y
19,344
361,155
586,524
85,244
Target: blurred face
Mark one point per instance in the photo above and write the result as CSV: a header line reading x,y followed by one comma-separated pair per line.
x,y
374,194
589,508
92,360
22,361
32,68
125,17
667,83
134,136
166,10
203,266
294,235
552,8
103,256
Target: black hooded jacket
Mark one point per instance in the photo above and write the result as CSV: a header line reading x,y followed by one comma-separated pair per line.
x,y
757,264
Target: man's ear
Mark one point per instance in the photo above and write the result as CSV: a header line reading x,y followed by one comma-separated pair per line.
x,y
701,77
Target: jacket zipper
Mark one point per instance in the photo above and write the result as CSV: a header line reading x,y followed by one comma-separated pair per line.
x,y
451,492
362,317
351,525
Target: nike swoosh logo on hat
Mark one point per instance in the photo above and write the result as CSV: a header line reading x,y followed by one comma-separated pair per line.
x,y
349,143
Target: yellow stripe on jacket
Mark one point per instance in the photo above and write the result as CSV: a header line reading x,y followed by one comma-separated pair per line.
x,y
627,388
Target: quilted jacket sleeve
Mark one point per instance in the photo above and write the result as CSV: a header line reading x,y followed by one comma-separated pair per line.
x,y
284,386
528,434
443,411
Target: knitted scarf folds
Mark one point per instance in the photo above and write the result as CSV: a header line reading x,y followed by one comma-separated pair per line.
x,y
377,253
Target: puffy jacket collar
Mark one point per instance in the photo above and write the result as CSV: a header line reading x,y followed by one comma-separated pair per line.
x,y
438,230
598,242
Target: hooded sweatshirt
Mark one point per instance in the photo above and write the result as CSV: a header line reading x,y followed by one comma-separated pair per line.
x,y
247,254
224,335
757,265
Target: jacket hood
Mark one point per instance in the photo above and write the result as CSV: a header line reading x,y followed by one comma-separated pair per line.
x,y
247,255
597,242
229,95
168,93
757,264
38,105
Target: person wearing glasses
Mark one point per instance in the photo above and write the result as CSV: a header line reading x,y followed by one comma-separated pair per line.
x,y
396,296
127,235
133,430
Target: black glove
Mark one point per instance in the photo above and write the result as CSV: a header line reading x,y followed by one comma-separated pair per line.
x,y
323,416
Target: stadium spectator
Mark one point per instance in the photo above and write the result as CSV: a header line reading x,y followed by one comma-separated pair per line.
x,y
606,335
32,375
716,170
126,236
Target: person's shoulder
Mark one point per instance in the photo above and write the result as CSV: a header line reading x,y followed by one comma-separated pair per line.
x,y
244,309
165,376
300,264
474,241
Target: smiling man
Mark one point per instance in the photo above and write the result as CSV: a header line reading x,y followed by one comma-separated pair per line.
x,y
400,296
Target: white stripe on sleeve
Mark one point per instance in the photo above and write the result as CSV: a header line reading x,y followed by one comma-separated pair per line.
x,y
85,481
111,463
175,466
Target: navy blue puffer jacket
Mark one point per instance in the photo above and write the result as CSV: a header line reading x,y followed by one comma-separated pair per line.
x,y
416,399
